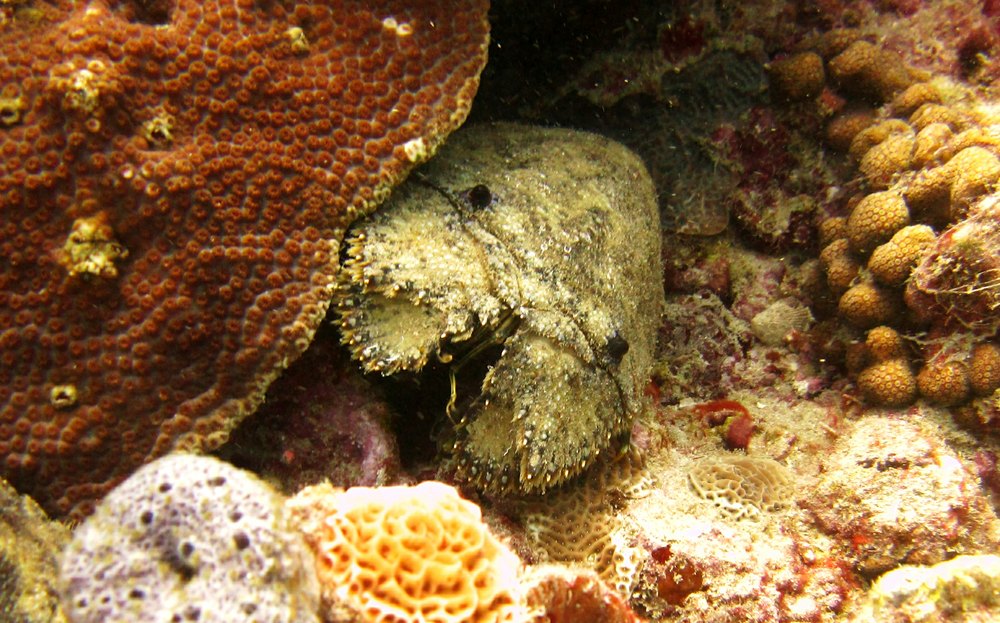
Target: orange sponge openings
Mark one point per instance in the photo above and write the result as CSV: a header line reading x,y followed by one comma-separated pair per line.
x,y
419,554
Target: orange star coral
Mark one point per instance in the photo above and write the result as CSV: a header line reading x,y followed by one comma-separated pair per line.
x,y
175,179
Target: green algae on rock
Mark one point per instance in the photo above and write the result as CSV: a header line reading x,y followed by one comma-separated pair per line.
x,y
965,588
544,241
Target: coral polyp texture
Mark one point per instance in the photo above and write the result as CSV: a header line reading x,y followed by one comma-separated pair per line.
x,y
419,554
189,538
543,242
176,177
916,247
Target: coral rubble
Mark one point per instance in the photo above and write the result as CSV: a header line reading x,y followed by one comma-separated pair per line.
x,y
176,178
897,494
560,595
963,589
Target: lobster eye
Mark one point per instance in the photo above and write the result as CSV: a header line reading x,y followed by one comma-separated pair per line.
x,y
617,347
479,196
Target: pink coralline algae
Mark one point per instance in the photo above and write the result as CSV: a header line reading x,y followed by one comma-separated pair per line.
x,y
320,421
782,182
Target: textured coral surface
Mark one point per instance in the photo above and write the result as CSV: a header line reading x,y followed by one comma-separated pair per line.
x,y
420,554
841,329
189,538
174,181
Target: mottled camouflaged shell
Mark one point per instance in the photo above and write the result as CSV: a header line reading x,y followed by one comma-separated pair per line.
x,y
554,228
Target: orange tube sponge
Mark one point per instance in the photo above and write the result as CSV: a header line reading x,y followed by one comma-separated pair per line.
x,y
419,554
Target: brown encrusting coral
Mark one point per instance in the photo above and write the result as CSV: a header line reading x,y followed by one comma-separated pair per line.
x,y
174,183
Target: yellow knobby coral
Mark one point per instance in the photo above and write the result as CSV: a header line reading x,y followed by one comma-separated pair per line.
x,y
884,343
875,219
888,383
984,368
866,305
891,263
944,382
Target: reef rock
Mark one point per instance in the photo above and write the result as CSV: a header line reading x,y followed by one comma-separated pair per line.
x,y
542,241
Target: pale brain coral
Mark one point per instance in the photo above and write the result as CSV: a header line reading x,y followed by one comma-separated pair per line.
x,y
419,554
189,538
742,486
544,241
176,177
581,524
